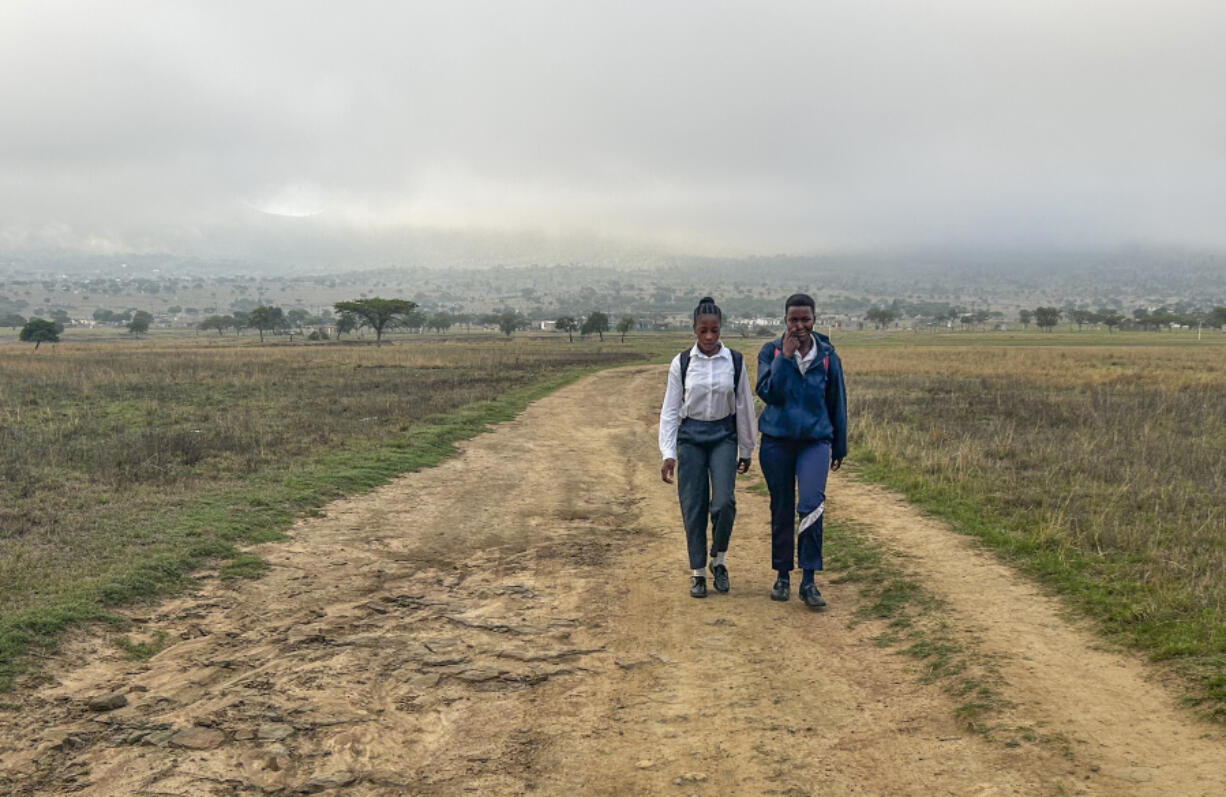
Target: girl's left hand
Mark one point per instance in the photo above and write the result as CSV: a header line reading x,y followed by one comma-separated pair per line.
x,y
742,465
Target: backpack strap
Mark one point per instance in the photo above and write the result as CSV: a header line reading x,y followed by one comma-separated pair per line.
x,y
685,366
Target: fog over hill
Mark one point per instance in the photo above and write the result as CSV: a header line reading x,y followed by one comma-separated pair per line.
x,y
474,274
281,246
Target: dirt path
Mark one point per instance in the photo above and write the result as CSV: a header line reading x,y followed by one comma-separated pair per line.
x,y
517,620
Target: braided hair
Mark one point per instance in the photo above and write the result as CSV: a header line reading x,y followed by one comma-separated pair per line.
x,y
707,306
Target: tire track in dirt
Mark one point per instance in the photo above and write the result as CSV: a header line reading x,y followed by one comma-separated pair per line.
x,y
516,620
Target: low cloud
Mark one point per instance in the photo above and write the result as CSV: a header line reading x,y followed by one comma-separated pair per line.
x,y
709,127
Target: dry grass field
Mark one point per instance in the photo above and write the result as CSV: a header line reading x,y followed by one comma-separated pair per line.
x,y
126,465
1093,462
1099,468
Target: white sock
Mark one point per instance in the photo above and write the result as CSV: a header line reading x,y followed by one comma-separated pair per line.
x,y
719,557
699,572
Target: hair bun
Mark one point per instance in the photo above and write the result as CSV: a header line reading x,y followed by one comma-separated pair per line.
x,y
706,300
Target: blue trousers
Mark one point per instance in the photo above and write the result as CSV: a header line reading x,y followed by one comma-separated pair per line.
x,y
706,476
791,467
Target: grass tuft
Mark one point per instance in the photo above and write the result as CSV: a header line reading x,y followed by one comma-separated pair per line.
x,y
244,565
138,651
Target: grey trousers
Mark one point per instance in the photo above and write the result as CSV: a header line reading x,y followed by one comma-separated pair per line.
x,y
706,475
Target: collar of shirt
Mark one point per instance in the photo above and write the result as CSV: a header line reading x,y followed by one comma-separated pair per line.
x,y
723,352
804,362
808,358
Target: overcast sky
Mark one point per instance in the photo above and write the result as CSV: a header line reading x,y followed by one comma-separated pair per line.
x,y
714,127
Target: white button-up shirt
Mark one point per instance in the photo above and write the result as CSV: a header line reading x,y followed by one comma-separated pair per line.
x,y
804,361
708,397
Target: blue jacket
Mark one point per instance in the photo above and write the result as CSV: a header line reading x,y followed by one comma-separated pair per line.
x,y
809,407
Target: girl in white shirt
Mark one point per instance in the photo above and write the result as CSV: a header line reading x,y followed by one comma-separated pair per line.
x,y
707,433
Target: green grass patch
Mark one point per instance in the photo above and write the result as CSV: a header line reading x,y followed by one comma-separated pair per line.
x,y
38,629
914,624
244,565
758,488
138,651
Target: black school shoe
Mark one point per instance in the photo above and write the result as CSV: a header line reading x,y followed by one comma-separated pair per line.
x,y
780,591
810,595
719,576
698,587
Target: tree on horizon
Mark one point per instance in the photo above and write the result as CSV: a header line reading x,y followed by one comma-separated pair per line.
x,y
39,331
597,322
569,325
346,322
266,317
217,322
1046,317
140,322
378,314
509,321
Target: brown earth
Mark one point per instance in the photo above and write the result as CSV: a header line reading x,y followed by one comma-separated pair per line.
x,y
516,620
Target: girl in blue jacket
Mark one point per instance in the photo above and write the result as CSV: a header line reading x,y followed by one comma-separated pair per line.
x,y
804,436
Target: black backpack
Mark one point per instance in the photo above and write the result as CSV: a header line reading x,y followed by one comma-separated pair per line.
x,y
737,366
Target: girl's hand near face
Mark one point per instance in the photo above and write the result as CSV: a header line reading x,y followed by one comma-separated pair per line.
x,y
667,470
790,344
742,465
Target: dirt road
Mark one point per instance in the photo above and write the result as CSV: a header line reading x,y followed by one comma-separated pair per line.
x,y
517,620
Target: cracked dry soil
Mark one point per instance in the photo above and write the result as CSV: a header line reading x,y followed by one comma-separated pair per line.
x,y
517,621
